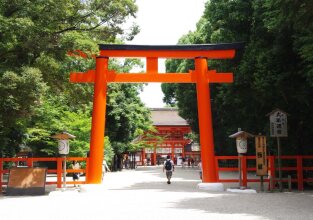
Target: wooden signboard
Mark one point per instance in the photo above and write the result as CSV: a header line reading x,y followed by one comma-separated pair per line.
x,y
26,181
260,150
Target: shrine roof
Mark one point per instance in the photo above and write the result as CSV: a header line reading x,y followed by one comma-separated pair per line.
x,y
167,117
200,47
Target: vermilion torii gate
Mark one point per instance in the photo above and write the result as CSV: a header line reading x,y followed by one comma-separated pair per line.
x,y
101,76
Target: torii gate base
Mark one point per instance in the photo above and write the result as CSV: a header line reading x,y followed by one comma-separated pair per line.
x,y
201,76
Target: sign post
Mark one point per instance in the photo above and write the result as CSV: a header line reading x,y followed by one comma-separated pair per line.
x,y
261,163
278,128
242,148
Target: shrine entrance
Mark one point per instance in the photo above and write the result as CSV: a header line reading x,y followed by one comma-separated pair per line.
x,y
101,76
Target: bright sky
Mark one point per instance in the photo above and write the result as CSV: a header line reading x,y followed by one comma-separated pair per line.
x,y
163,22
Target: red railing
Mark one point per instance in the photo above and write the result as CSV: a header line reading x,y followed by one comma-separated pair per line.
x,y
298,169
28,162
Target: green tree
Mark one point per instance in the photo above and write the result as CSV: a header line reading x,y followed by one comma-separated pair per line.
x,y
35,37
273,70
20,93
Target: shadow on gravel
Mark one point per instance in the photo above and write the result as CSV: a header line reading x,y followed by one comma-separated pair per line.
x,y
264,205
241,206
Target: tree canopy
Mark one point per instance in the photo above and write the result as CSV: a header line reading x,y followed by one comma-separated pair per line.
x,y
274,70
37,99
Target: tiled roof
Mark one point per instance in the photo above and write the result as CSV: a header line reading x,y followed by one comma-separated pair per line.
x,y
167,116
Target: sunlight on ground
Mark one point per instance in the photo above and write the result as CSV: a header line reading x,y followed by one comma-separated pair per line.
x,y
144,194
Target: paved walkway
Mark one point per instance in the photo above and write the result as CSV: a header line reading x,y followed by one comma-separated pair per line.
x,y
144,194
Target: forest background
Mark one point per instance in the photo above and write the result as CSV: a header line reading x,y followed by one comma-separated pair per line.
x,y
273,70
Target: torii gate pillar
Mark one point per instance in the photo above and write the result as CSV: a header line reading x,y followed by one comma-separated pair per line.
x,y
98,121
205,121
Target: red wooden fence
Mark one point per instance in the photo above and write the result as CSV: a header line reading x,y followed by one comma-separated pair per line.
x,y
58,171
298,169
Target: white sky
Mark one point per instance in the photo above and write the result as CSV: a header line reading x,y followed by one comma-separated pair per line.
x,y
163,22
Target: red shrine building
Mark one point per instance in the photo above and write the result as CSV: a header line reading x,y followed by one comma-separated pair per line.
x,y
173,130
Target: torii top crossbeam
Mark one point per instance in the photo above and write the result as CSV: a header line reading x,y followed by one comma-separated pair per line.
x,y
210,51
152,53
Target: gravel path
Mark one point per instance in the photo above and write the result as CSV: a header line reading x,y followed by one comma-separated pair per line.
x,y
144,194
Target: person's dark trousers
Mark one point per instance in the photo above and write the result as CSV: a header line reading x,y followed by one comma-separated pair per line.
x,y
169,176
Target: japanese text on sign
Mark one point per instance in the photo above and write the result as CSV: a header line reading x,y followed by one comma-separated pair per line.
x,y
278,124
260,150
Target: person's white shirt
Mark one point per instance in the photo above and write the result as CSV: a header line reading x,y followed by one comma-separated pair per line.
x,y
76,166
200,165
105,167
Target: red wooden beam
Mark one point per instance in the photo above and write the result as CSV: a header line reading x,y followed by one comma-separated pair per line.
x,y
113,77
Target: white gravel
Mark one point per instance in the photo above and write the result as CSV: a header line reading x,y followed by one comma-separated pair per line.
x,y
144,194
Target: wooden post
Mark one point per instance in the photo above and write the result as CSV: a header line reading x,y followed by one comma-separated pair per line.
x,y
59,172
272,171
261,184
217,169
240,170
300,173
143,157
1,173
279,165
154,156
64,171
271,184
244,171
205,121
29,162
98,121
86,169
289,183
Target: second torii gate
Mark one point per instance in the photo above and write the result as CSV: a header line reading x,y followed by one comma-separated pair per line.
x,y
101,76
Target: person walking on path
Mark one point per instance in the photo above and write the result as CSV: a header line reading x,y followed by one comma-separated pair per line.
x,y
169,168
200,167
183,163
105,168
192,161
75,166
